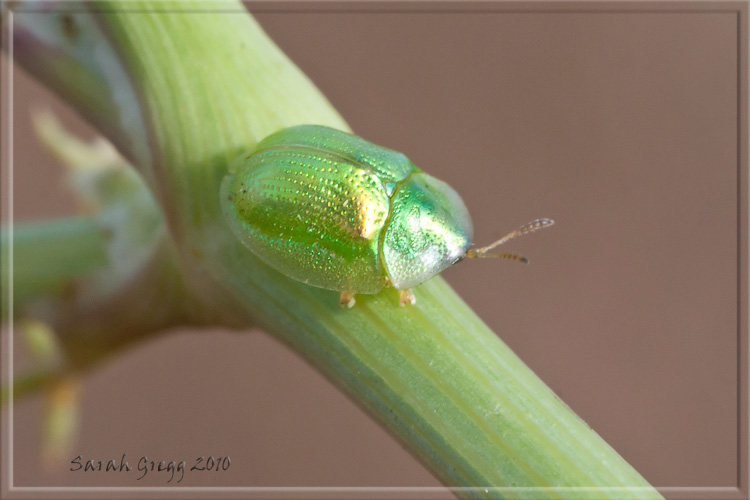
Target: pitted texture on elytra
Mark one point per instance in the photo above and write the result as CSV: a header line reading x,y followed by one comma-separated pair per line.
x,y
388,165
315,216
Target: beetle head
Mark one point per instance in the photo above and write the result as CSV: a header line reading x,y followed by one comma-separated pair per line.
x,y
429,230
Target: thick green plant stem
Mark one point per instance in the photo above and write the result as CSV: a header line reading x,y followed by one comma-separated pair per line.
x,y
211,85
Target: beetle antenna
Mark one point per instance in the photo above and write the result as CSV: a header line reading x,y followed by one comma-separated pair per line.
x,y
471,254
532,226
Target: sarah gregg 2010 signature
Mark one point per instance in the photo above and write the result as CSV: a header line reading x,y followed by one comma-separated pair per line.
x,y
146,466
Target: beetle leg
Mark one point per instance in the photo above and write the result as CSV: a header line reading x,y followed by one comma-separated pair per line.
x,y
346,299
406,297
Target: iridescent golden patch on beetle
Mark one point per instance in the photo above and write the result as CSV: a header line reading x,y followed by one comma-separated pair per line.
x,y
370,214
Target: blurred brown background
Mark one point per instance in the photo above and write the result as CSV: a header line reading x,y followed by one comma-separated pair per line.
x,y
621,126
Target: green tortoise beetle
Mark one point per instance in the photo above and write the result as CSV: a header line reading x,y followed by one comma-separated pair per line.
x,y
332,210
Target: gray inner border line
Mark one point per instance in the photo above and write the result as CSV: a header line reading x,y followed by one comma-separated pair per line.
x,y
391,11
7,210
364,493
430,7
740,223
